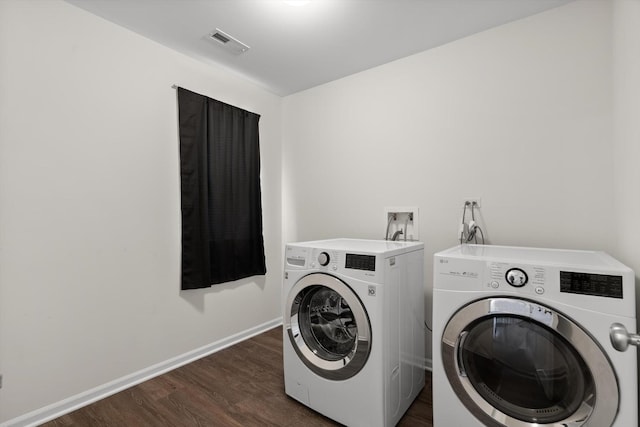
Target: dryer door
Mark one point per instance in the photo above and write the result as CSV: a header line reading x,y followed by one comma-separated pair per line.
x,y
514,362
328,326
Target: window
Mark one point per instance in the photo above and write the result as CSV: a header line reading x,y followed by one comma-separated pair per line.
x,y
220,187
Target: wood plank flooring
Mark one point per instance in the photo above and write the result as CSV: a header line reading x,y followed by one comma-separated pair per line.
x,y
242,385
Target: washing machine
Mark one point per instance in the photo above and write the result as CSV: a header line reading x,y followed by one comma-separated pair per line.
x,y
533,337
353,325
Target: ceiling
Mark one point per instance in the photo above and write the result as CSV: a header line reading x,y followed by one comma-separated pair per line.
x,y
293,48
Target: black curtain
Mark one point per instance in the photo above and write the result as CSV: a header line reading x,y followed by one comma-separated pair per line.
x,y
221,201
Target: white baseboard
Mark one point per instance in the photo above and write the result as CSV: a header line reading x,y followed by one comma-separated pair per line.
x,y
72,403
428,364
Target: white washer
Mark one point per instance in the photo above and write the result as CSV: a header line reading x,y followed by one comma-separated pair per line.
x,y
353,328
522,337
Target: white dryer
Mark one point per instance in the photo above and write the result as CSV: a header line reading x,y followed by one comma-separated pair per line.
x,y
353,327
525,337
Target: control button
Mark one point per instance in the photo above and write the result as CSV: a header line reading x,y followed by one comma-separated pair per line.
x,y
516,277
539,290
323,259
495,284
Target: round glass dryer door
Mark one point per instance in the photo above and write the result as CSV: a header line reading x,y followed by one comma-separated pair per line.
x,y
518,363
328,326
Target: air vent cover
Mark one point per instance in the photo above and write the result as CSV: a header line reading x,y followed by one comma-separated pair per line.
x,y
228,43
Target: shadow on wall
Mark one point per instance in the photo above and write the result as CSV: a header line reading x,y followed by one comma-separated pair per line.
x,y
196,297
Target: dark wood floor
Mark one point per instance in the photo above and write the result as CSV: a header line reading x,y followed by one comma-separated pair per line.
x,y
242,385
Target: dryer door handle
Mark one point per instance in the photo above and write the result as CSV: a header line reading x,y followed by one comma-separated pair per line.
x,y
621,338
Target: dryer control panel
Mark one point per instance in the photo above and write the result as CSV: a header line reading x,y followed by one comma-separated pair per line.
x,y
525,277
591,280
600,285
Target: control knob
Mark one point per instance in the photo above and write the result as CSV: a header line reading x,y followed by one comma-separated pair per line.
x,y
516,277
323,259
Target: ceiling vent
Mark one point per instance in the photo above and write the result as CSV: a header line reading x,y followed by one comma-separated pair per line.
x,y
228,43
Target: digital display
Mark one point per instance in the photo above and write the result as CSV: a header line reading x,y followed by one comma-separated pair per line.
x,y
361,262
599,285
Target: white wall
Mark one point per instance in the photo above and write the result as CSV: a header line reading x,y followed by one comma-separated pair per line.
x,y
90,206
626,136
519,115
626,66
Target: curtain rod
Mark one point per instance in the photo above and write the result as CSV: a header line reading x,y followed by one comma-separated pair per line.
x,y
175,86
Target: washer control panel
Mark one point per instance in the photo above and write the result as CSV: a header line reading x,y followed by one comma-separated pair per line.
x,y
357,265
361,262
323,259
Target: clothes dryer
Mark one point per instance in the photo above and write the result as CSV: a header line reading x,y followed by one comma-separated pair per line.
x,y
527,337
353,328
